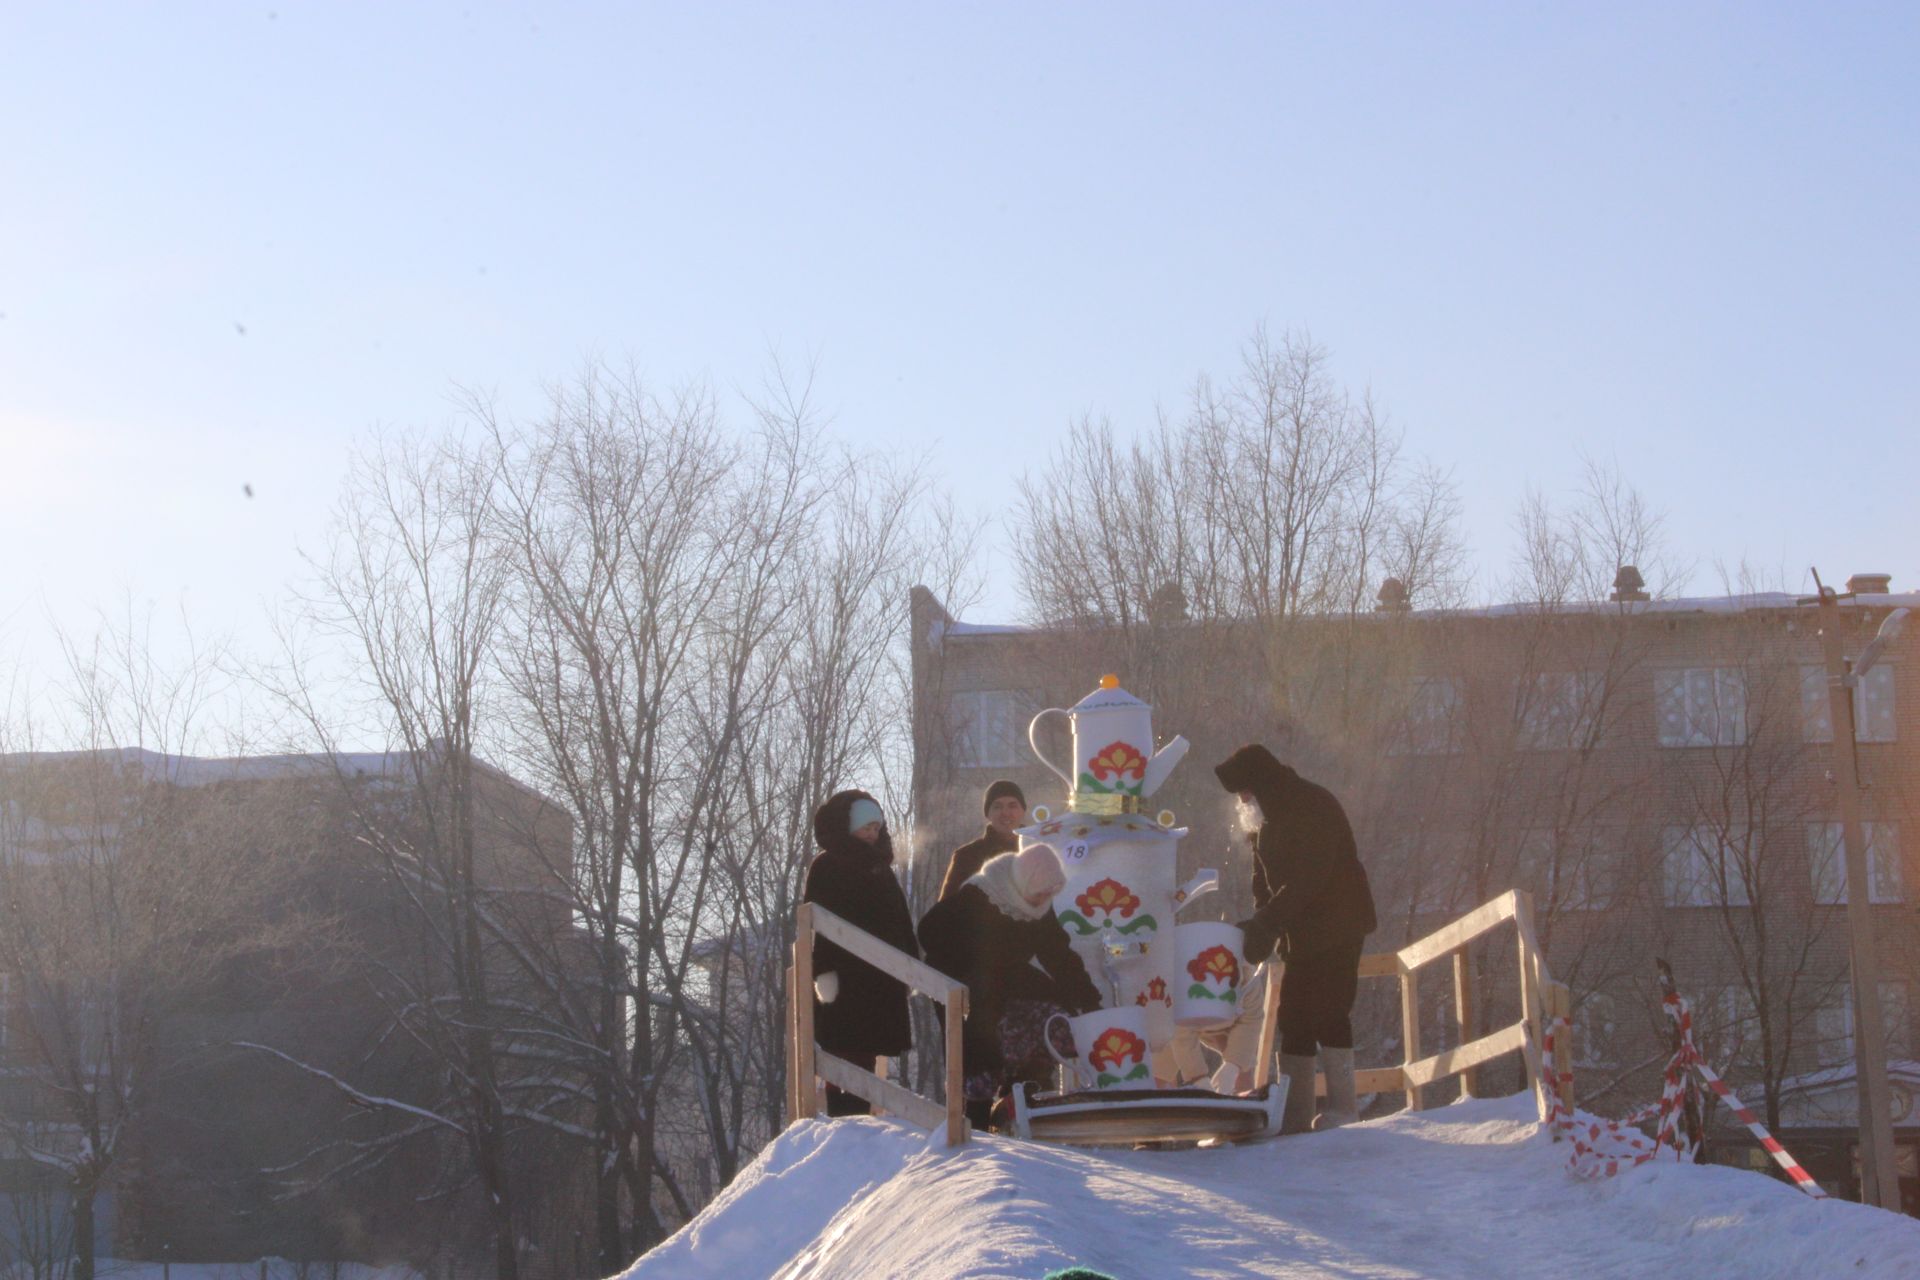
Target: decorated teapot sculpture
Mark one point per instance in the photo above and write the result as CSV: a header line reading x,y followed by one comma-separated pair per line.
x,y
1112,734
1120,897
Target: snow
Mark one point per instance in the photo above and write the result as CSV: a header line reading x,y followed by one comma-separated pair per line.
x,y
1476,1189
1751,602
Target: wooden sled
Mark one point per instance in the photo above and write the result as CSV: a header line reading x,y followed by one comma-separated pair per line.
x,y
1129,1117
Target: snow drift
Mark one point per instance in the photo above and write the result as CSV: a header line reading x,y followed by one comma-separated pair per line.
x,y
1471,1190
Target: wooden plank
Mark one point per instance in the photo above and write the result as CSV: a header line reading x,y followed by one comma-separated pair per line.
x,y
1441,1065
956,1113
1378,1080
909,1106
806,1098
1463,1011
922,977
1381,964
1269,1023
1410,1031
1532,1009
1458,934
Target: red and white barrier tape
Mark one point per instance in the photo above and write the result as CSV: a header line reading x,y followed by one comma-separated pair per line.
x,y
1602,1148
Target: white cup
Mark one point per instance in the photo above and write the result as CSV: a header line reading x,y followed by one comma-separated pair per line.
x,y
1210,974
1110,1047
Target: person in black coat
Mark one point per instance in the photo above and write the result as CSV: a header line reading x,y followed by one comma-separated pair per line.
x,y
990,933
1006,808
860,1013
1312,901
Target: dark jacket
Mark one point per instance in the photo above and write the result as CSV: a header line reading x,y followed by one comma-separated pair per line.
x,y
855,881
969,938
971,856
1308,884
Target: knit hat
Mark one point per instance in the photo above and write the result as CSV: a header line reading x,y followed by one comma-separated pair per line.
x,y
1003,787
863,811
1037,871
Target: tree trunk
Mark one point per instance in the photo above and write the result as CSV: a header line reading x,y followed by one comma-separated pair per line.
x,y
82,1202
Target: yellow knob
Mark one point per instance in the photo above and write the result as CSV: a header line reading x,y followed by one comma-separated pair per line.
x,y
1109,682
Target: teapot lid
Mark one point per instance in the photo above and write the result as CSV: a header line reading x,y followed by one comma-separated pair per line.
x,y
1108,696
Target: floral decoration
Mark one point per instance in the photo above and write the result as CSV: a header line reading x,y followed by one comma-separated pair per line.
x,y
1216,963
1118,760
1156,993
1115,1048
1108,896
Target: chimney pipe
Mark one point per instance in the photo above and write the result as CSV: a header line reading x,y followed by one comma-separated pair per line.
x,y
1628,586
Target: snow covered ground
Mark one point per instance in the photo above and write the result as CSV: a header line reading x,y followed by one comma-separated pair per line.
x,y
1472,1190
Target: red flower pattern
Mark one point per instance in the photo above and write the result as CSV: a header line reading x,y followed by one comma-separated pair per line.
x,y
1116,1048
1108,896
1117,760
1215,962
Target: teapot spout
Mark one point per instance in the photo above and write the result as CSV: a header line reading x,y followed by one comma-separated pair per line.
x,y
1162,764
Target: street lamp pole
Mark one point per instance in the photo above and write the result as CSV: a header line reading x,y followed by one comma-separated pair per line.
x,y
1879,1177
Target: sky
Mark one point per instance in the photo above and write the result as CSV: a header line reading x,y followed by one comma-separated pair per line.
x,y
234,239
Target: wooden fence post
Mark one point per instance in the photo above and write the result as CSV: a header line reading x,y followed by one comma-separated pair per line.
x,y
1410,1029
1463,1008
1532,1008
793,1046
806,1095
956,1073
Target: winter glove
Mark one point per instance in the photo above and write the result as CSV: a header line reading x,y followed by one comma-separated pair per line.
x,y
1260,938
827,986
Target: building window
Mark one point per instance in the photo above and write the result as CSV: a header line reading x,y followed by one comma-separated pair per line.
x,y
1872,705
1568,870
1594,1028
1431,723
1833,1024
991,728
1706,867
1827,858
1701,706
1559,710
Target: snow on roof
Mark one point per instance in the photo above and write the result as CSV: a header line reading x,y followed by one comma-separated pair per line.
x,y
1750,602
199,771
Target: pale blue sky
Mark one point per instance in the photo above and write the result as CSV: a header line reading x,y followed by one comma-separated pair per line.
x,y
1680,236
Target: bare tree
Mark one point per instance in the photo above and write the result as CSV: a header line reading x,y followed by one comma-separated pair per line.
x,y
127,893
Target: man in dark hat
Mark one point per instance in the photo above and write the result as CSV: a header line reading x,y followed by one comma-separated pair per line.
x,y
1006,808
1312,901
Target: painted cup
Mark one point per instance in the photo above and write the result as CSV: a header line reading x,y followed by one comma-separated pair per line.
x,y
1210,974
1111,1049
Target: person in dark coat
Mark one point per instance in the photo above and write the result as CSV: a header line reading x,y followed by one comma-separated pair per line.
x,y
1312,901
860,1013
997,933
1006,806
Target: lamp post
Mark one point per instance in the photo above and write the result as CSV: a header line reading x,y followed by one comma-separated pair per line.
x,y
1879,1177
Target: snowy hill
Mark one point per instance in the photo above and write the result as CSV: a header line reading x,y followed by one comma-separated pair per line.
x,y
1472,1190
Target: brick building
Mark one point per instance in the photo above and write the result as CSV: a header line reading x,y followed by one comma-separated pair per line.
x,y
1655,772
231,1154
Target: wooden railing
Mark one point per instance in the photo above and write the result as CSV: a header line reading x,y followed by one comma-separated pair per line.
x,y
1541,998
807,1063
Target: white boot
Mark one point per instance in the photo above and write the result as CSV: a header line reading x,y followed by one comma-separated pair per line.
x,y
1299,1071
1341,1108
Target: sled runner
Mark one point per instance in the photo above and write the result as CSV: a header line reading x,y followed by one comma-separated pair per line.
x,y
1127,1117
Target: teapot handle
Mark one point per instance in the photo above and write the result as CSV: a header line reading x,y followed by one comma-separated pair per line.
x,y
1032,726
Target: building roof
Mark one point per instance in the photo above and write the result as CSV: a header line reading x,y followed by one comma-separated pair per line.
x,y
944,627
